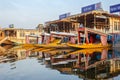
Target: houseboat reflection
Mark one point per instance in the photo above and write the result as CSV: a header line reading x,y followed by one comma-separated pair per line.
x,y
101,62
104,63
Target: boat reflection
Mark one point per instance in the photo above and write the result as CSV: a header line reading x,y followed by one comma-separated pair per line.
x,y
101,63
87,64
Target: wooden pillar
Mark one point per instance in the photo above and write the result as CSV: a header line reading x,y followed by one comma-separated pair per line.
x,y
72,39
42,38
86,61
106,24
86,36
27,39
85,21
27,53
52,59
103,40
94,21
37,40
64,27
70,27
104,54
43,55
79,40
50,37
79,59
91,38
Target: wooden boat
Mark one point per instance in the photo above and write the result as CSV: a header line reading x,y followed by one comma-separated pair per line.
x,y
89,39
59,51
52,40
88,51
90,45
55,44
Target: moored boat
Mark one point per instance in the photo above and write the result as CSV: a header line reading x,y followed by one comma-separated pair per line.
x,y
56,40
87,38
98,45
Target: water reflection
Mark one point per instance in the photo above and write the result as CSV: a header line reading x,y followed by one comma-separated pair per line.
x,y
102,63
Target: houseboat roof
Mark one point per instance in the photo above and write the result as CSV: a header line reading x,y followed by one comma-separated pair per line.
x,y
96,12
87,13
33,35
57,21
17,29
46,34
114,15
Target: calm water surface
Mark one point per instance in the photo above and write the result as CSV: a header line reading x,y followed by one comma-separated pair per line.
x,y
30,69
65,64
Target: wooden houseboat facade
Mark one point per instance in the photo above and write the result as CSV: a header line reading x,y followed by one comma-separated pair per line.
x,y
97,21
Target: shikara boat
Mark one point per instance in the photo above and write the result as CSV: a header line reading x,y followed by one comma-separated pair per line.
x,y
90,45
55,44
88,51
58,40
89,40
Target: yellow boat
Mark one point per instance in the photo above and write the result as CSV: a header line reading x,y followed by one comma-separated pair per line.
x,y
87,51
58,51
87,39
55,44
90,45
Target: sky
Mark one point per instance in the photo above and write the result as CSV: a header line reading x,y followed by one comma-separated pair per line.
x,y
29,13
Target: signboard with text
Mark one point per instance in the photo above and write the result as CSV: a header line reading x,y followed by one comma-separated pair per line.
x,y
64,16
91,7
115,8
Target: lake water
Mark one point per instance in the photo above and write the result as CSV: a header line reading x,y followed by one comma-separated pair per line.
x,y
60,64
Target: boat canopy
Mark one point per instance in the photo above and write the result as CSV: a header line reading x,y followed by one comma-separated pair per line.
x,y
63,33
46,34
33,35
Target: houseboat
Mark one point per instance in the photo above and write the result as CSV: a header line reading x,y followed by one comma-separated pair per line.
x,y
100,21
18,35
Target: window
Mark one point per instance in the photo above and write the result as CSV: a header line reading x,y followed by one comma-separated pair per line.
x,y
118,25
31,33
22,34
73,27
115,25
